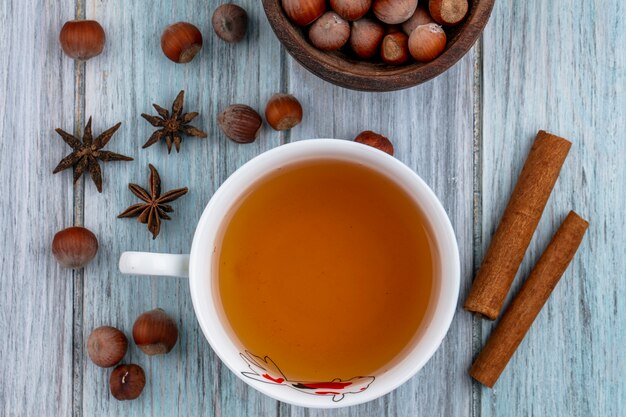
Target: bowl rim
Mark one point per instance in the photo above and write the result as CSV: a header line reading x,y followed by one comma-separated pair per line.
x,y
321,63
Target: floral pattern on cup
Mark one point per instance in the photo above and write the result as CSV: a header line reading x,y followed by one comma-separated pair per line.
x,y
265,370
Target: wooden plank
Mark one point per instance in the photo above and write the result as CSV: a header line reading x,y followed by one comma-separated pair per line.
x,y
545,66
121,84
431,127
37,87
550,66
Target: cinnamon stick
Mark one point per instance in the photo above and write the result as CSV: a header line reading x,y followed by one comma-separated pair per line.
x,y
526,305
518,225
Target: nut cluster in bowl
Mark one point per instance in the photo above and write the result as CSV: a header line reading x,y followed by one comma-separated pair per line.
x,y
392,31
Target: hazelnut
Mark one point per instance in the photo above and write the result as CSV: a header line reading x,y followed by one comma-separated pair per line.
x,y
394,11
106,346
395,48
127,382
240,123
365,37
154,332
420,17
74,247
181,42
283,112
330,32
448,12
82,39
427,42
230,22
375,140
304,12
351,9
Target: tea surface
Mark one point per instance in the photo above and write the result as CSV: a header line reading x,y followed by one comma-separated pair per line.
x,y
326,268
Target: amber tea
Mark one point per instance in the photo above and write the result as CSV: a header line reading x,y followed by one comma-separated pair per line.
x,y
326,267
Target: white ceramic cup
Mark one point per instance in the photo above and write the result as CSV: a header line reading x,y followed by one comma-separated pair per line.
x,y
262,373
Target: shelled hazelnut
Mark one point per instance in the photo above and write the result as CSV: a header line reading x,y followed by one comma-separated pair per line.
x,y
230,22
304,12
375,140
420,17
154,332
181,42
395,48
127,382
427,42
74,247
394,11
364,25
351,9
365,37
82,39
106,346
330,32
283,112
240,123
448,12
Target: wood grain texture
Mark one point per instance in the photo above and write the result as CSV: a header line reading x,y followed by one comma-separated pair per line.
x,y
550,66
121,84
36,84
438,153
544,65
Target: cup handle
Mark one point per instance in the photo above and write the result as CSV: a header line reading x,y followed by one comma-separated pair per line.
x,y
160,264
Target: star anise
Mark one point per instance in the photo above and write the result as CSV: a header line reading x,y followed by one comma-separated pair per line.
x,y
155,205
87,153
172,125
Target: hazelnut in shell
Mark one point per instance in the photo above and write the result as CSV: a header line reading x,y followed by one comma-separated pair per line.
x,y
154,332
375,140
106,346
304,12
181,42
283,112
330,32
427,42
420,17
365,37
127,382
351,9
395,48
394,11
82,39
448,12
230,22
74,247
240,123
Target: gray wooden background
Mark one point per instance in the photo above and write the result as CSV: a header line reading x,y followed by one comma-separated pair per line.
x,y
553,65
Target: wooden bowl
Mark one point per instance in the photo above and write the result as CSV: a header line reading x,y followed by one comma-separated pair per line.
x,y
343,70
